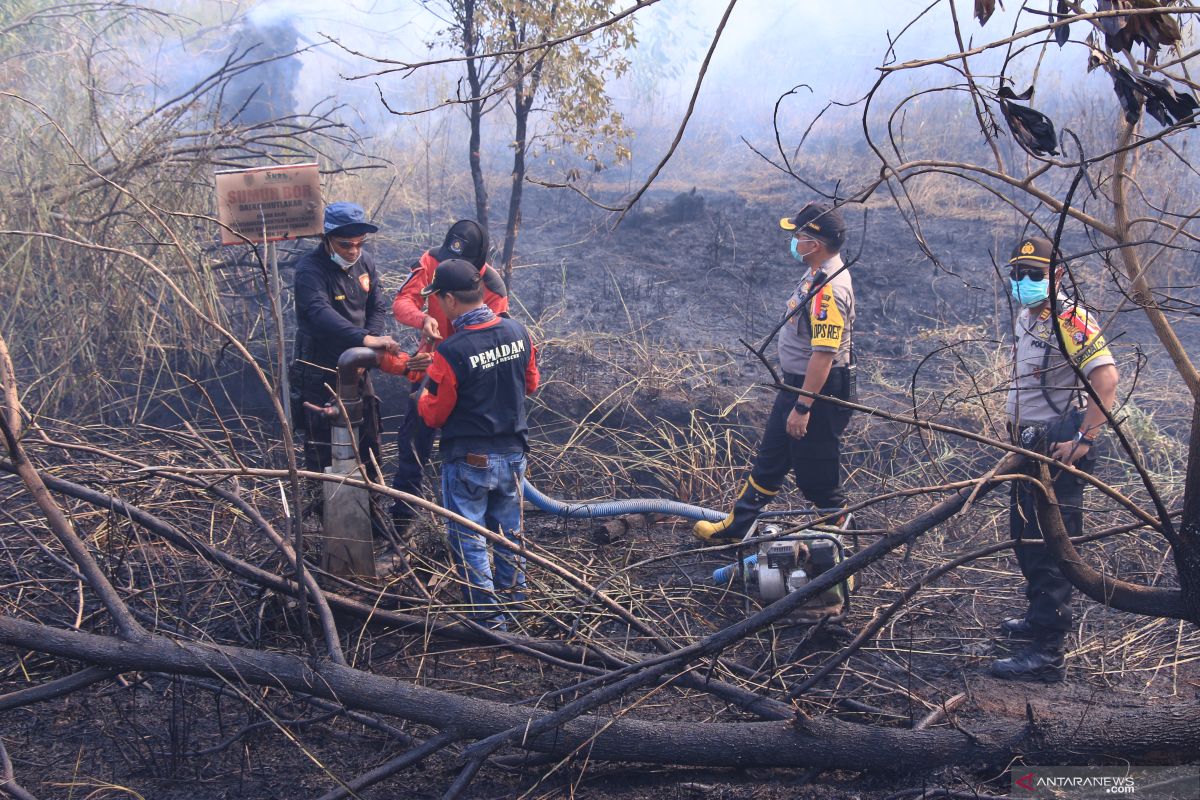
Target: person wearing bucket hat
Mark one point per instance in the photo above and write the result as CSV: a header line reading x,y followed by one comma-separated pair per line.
x,y
339,305
1049,411
466,240
802,434
475,393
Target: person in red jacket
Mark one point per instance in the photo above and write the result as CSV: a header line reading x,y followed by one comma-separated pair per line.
x,y
476,394
466,240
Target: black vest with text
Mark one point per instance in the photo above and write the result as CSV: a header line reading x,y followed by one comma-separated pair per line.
x,y
489,365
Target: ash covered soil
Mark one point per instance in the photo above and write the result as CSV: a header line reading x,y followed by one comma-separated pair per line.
x,y
648,393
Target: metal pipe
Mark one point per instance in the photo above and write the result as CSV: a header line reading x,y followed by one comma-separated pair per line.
x,y
346,521
350,362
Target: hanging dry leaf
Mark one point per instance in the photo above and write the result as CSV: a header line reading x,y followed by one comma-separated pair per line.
x,y
984,10
1032,129
1063,32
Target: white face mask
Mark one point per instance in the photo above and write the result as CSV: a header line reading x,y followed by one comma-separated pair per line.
x,y
341,262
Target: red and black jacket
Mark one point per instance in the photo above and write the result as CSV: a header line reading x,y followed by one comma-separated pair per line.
x,y
477,386
410,308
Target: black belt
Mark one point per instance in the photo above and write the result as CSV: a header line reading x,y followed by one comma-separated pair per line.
x,y
794,379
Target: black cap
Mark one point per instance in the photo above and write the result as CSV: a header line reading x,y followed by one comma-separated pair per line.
x,y
453,275
820,221
1032,250
467,240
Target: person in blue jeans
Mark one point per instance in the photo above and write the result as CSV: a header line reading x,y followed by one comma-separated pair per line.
x,y
476,392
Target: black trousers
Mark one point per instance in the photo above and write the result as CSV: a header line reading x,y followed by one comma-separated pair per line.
x,y
414,441
1046,589
815,460
309,384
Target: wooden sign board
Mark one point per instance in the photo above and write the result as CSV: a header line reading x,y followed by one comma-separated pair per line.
x,y
285,200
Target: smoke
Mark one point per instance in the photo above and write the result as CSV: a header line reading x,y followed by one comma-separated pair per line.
x,y
264,91
832,52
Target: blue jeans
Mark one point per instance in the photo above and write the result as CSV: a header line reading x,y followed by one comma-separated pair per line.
x,y
489,496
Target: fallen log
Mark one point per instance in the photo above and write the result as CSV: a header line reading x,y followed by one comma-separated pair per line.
x,y
1141,735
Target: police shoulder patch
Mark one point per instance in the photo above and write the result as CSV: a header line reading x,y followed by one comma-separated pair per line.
x,y
1080,320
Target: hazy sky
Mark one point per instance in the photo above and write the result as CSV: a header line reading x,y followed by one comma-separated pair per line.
x,y
768,47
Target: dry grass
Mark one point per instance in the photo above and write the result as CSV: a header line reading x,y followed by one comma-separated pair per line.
x,y
618,417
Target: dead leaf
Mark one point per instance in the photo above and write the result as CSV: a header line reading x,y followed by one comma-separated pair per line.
x,y
1063,32
1032,129
984,10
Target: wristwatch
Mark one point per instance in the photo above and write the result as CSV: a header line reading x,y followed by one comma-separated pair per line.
x,y
802,407
1088,440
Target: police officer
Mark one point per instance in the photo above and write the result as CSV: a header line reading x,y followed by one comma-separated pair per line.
x,y
339,305
1049,411
803,435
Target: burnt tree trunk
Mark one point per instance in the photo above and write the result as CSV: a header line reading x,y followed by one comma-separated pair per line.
x,y
524,92
1187,550
475,112
513,225
1078,735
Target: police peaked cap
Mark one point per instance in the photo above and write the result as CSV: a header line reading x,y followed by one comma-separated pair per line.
x,y
1034,251
819,221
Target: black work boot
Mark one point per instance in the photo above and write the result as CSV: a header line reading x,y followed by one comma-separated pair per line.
x,y
1040,660
734,527
1017,628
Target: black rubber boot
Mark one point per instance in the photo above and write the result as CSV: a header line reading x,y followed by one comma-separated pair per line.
x,y
1041,660
734,527
1018,628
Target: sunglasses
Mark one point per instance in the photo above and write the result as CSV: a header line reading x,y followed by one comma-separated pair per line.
x,y
1036,273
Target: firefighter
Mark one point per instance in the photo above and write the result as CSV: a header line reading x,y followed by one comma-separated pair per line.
x,y
466,240
476,394
339,305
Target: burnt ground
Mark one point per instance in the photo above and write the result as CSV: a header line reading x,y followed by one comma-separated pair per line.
x,y
649,394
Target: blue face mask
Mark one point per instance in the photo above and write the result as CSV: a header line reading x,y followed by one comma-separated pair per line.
x,y
341,262
796,254
1029,292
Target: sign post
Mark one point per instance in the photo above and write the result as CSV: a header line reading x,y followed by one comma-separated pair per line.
x,y
264,205
267,204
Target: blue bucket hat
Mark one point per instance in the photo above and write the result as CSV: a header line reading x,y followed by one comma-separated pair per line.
x,y
348,219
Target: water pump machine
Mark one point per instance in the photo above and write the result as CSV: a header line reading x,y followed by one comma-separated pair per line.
x,y
785,563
